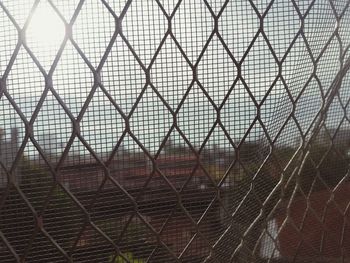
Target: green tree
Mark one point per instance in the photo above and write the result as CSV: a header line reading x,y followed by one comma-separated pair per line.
x,y
54,210
129,256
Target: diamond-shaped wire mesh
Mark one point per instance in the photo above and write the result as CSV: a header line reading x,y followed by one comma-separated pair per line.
x,y
174,131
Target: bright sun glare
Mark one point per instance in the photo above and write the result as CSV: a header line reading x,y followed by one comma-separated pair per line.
x,y
46,29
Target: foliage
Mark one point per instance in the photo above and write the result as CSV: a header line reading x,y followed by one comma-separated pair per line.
x,y
58,216
324,167
134,239
129,256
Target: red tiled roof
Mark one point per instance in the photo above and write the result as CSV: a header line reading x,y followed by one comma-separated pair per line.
x,y
175,158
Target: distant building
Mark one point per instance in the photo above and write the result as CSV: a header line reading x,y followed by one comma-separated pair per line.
x,y
132,173
8,150
81,177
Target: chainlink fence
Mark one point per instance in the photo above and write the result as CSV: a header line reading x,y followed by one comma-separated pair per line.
x,y
174,131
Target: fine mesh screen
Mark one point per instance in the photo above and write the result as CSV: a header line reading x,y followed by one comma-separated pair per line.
x,y
174,131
